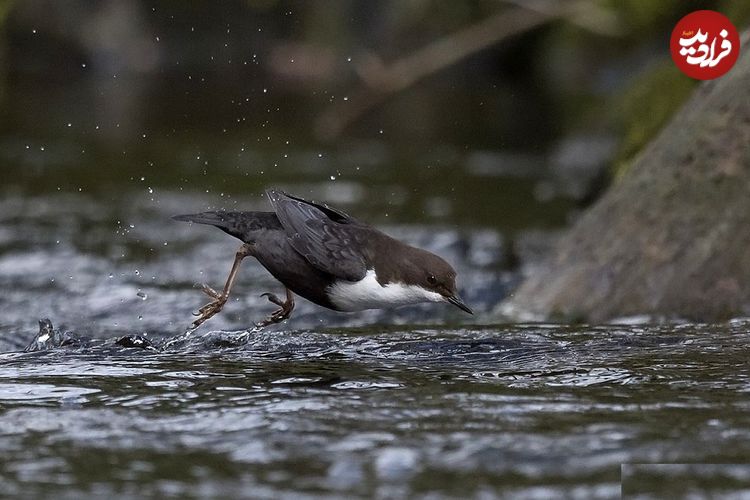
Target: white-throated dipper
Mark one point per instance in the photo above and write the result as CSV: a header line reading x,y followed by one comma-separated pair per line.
x,y
328,257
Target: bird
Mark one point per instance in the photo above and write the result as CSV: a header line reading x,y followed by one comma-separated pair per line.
x,y
327,257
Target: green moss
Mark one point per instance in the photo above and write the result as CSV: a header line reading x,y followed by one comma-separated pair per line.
x,y
646,15
737,11
646,106
655,95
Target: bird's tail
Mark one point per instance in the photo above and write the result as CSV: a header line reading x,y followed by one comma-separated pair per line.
x,y
217,219
242,225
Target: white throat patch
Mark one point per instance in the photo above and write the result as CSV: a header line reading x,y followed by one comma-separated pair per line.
x,y
369,294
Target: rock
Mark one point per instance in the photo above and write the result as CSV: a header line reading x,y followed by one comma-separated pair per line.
x,y
136,341
672,236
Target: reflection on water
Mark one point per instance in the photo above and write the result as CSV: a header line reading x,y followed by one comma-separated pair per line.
x,y
535,411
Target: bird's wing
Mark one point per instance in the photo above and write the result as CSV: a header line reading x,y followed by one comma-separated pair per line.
x,y
327,238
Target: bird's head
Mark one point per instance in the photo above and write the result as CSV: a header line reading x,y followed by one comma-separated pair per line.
x,y
435,275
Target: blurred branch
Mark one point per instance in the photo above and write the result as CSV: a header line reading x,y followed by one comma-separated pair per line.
x,y
585,14
381,81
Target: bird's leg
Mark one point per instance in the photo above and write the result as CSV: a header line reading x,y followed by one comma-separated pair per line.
x,y
284,311
220,299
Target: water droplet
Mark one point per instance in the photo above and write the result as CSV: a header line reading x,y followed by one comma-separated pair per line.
x,y
333,177
111,276
142,295
137,272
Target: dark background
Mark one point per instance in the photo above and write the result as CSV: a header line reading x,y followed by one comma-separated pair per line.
x,y
232,96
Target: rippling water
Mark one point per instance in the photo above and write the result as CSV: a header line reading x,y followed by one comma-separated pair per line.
x,y
537,411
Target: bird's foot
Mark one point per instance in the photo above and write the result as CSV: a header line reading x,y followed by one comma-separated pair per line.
x,y
279,315
210,309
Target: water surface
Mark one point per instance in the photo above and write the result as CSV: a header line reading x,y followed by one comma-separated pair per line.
x,y
537,411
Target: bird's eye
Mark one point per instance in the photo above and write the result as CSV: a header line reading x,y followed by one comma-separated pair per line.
x,y
432,280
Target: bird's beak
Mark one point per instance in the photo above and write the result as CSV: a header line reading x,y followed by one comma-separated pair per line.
x,y
456,301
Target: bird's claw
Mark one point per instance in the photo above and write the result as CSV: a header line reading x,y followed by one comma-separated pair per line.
x,y
209,310
275,317
279,315
273,299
